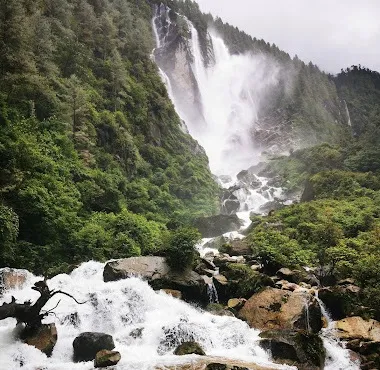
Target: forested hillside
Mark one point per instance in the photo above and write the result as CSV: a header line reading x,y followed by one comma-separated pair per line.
x,y
93,162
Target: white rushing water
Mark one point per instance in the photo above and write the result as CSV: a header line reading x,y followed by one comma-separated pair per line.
x,y
338,358
121,308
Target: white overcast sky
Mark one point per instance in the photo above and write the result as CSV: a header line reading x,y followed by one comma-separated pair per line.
x,y
333,34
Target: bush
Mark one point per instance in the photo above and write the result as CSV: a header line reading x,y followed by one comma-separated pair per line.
x,y
181,252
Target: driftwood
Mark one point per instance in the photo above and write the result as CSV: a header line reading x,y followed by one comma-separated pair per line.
x,y
31,314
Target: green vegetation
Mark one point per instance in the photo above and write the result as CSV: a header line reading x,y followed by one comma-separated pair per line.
x,y
180,252
337,229
93,162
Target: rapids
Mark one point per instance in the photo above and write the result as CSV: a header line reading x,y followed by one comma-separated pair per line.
x,y
159,323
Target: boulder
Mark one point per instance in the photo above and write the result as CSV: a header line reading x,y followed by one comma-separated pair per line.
x,y
87,345
248,178
223,259
293,276
218,310
43,338
12,278
106,358
272,205
242,281
189,348
217,225
216,243
280,309
158,274
305,350
148,267
236,303
356,327
236,247
341,300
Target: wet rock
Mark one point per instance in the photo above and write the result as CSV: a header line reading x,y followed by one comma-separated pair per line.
x,y
218,310
305,350
12,279
87,345
216,243
106,358
357,328
220,279
272,205
188,348
223,259
43,338
341,300
158,274
231,205
217,225
280,309
236,247
242,281
149,268
236,303
293,276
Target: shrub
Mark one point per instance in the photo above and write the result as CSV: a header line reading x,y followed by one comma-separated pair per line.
x,y
181,252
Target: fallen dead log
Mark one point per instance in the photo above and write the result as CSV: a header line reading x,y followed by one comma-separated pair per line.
x,y
31,314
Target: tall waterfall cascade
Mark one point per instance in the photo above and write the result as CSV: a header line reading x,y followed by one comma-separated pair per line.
x,y
221,108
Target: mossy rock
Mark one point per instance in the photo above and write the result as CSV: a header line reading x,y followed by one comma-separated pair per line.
x,y
189,348
243,282
300,348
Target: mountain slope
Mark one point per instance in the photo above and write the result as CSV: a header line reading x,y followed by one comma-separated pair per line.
x,y
88,136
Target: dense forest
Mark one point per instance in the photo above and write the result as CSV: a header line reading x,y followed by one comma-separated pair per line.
x,y
93,161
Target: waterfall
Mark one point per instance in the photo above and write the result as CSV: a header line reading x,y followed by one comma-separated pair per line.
x,y
146,325
212,293
227,102
348,114
337,356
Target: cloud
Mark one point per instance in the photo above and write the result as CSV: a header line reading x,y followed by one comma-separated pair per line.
x,y
332,34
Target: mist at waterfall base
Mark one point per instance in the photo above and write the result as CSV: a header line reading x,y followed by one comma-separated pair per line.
x,y
231,90
146,326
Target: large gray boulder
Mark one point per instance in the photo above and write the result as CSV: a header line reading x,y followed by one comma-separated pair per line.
x,y
87,345
157,273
